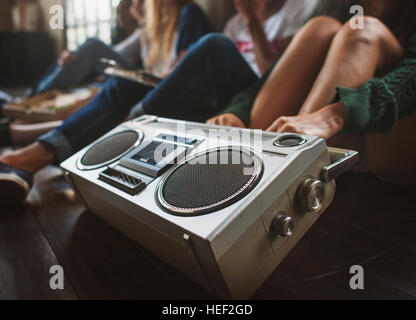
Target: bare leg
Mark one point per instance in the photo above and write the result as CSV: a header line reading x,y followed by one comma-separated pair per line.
x,y
32,158
24,134
293,77
355,56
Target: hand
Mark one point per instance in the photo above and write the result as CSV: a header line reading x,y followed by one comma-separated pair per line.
x,y
228,120
325,123
250,9
66,57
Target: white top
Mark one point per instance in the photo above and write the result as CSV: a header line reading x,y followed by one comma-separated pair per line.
x,y
192,25
160,67
283,24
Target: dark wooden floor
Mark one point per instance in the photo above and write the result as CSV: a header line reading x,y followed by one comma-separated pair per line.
x,y
370,223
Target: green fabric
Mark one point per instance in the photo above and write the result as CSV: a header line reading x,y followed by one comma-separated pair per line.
x,y
381,102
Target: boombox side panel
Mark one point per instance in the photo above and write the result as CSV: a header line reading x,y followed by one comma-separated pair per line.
x,y
248,263
244,259
303,222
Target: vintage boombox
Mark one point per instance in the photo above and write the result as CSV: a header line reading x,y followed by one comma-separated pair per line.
x,y
222,205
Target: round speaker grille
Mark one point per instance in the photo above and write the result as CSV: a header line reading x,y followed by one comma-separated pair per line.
x,y
209,181
109,149
289,141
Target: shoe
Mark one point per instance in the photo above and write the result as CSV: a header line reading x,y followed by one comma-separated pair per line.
x,y
15,185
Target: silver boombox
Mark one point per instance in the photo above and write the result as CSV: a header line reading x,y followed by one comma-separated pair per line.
x,y
222,205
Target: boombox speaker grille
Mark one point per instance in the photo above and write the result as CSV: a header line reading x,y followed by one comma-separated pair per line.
x,y
289,141
109,149
209,181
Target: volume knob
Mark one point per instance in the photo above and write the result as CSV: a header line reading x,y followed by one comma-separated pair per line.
x,y
311,195
283,226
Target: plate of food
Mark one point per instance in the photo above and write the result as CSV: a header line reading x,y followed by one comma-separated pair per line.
x,y
50,106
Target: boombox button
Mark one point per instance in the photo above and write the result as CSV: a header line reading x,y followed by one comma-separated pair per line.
x,y
283,226
122,181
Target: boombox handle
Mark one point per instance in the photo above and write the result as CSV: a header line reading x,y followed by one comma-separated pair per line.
x,y
341,161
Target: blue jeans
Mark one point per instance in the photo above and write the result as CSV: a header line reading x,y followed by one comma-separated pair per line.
x,y
213,71
86,64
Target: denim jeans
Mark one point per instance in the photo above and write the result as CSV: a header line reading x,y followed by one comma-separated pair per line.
x,y
213,71
86,64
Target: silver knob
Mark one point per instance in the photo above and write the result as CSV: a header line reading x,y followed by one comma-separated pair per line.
x,y
283,226
311,195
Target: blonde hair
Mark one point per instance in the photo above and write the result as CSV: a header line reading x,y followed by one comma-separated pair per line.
x,y
160,27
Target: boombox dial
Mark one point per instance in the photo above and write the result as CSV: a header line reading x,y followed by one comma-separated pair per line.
x,y
311,195
283,226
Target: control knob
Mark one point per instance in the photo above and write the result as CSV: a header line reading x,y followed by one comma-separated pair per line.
x,y
283,226
311,195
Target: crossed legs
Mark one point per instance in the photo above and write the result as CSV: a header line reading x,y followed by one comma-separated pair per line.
x,y
355,56
352,58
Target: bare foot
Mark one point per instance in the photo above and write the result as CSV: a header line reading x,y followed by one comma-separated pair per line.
x,y
325,123
31,158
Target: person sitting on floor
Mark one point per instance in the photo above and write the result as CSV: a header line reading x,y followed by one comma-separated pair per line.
x,y
171,28
253,40
262,29
72,68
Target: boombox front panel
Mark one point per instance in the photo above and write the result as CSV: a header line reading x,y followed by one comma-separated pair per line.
x,y
222,234
277,162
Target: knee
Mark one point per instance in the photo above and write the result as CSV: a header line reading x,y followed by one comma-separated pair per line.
x,y
322,28
120,94
214,41
91,43
371,34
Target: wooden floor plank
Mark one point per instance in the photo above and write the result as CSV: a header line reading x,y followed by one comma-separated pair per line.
x,y
26,258
397,268
385,211
354,231
102,263
318,267
334,286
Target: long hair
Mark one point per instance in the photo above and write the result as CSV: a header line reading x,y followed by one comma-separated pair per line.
x,y
160,27
398,15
